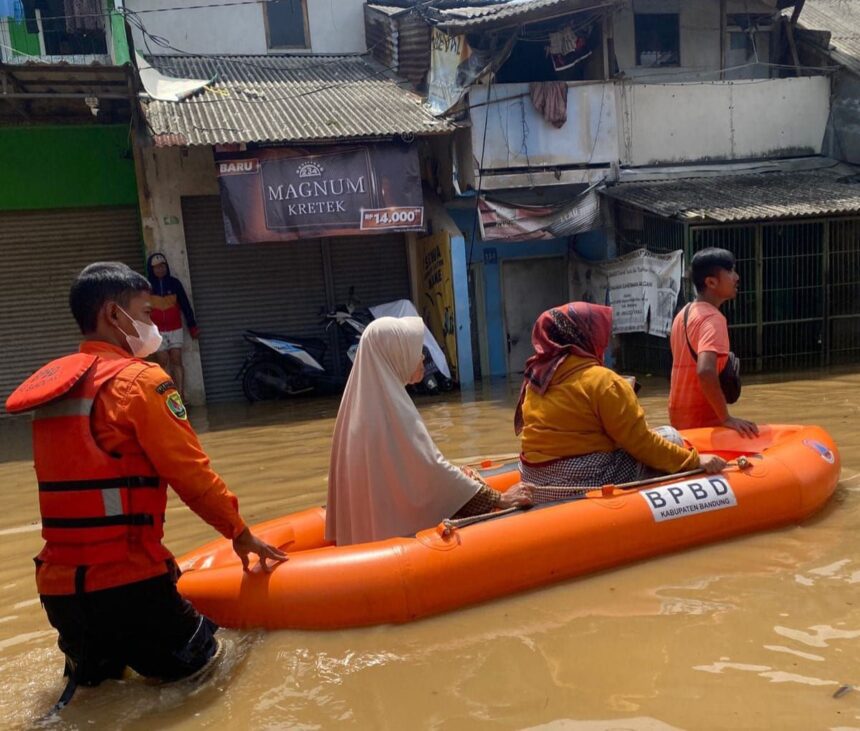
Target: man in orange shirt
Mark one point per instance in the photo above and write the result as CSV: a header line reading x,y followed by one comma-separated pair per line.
x,y
695,396
110,432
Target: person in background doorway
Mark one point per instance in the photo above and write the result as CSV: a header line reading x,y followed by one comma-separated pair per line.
x,y
110,432
386,476
580,423
169,305
695,396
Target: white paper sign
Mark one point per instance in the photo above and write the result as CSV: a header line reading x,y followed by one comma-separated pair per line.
x,y
690,497
641,287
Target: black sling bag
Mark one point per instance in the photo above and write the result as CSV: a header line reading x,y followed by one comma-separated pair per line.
x,y
730,376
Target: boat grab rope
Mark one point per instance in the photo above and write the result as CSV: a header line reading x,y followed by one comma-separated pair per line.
x,y
556,493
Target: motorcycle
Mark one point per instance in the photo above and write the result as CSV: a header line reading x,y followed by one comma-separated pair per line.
x,y
287,365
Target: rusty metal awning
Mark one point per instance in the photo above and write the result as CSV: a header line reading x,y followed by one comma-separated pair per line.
x,y
757,197
287,98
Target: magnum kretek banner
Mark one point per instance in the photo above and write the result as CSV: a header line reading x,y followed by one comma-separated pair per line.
x,y
285,194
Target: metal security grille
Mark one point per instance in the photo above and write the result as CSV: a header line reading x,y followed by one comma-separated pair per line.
x,y
799,300
842,297
277,287
42,252
797,282
255,286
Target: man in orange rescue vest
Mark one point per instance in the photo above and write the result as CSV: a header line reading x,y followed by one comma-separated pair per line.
x,y
110,432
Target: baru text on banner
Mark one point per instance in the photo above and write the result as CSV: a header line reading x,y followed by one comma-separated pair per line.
x,y
288,193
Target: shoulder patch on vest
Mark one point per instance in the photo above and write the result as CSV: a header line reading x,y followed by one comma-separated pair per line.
x,y
163,388
176,407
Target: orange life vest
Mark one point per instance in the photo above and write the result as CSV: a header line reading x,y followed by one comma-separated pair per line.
x,y
93,504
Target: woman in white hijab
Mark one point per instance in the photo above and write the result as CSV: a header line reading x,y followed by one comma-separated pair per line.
x,y
386,476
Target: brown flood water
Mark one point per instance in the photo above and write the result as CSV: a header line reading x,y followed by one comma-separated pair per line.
x,y
754,633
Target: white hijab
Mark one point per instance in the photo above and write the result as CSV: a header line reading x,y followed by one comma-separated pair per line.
x,y
386,476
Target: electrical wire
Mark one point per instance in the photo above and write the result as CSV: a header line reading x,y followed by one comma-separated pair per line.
x,y
216,58
704,72
226,96
108,13
480,175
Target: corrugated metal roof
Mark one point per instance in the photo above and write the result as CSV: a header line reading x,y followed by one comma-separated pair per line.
x,y
286,99
761,197
400,40
842,19
513,12
413,59
380,33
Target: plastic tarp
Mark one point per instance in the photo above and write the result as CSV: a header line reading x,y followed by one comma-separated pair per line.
x,y
166,88
404,308
510,222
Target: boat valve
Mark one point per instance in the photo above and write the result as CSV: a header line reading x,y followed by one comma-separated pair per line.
x,y
743,463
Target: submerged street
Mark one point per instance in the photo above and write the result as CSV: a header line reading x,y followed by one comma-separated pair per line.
x,y
757,632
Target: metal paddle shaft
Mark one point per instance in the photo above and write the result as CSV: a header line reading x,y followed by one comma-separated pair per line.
x,y
658,478
741,463
554,493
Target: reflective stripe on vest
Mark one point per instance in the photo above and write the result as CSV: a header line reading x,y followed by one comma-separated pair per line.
x,y
64,407
114,513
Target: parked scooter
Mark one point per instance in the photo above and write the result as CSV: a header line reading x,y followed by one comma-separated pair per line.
x,y
283,365
278,366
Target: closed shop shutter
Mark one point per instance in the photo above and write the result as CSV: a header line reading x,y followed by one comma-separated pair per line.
x,y
276,287
271,287
42,252
375,265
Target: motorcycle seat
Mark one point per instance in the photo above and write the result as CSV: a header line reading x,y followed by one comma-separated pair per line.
x,y
315,346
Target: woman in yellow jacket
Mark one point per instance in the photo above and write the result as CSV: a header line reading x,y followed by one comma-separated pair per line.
x,y
581,423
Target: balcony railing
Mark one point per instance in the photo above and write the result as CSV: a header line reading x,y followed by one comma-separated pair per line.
x,y
55,40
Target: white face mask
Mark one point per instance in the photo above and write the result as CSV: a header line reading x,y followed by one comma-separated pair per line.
x,y
147,340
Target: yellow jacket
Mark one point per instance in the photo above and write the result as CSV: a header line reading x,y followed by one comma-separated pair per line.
x,y
588,408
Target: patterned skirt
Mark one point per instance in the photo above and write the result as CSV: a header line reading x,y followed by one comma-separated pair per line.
x,y
589,470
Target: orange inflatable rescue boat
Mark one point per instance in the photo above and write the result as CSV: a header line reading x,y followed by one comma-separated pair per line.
x,y
788,473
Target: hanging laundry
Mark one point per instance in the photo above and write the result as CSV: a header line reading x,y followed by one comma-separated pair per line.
x,y
84,15
550,99
568,47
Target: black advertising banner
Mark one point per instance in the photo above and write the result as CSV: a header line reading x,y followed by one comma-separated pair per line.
x,y
289,193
